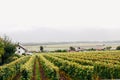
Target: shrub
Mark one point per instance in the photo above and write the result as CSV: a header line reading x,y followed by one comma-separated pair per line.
x,y
118,48
72,48
24,54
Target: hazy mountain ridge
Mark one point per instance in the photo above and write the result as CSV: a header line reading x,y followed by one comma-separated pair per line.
x,y
72,42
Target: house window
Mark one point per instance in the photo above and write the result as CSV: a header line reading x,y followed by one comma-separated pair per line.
x,y
19,48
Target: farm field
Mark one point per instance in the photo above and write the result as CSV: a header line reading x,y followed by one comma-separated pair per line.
x,y
95,65
53,47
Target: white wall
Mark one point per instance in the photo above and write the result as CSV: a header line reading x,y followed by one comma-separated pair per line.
x,y
19,51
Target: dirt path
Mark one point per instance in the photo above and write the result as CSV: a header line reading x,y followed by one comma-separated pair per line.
x,y
63,76
34,71
42,73
17,77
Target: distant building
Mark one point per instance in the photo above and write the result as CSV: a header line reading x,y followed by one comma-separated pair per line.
x,y
20,49
78,49
100,47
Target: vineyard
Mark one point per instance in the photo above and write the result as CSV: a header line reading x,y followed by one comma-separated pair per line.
x,y
64,66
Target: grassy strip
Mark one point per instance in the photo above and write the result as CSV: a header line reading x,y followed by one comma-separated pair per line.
x,y
34,71
37,70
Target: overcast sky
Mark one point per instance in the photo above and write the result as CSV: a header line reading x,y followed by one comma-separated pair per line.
x,y
60,20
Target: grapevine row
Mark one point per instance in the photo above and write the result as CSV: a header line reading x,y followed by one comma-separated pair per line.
x,y
51,71
74,70
8,71
27,68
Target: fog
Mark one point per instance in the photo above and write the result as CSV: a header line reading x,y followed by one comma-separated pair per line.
x,y
64,20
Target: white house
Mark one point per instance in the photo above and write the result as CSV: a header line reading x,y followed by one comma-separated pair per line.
x,y
20,49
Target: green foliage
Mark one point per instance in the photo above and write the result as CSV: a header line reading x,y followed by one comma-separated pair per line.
x,y
93,65
1,47
108,48
27,68
72,48
59,50
91,49
24,54
76,71
80,61
1,52
52,72
106,64
118,48
38,75
107,71
12,58
7,49
7,71
41,48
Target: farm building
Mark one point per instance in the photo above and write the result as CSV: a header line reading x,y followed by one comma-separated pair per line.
x,y
20,49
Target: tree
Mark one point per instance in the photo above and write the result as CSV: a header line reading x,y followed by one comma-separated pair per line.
x,y
72,48
1,47
41,48
8,47
108,48
118,48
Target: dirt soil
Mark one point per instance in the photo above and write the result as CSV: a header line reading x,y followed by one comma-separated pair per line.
x,y
43,77
34,71
17,77
63,76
